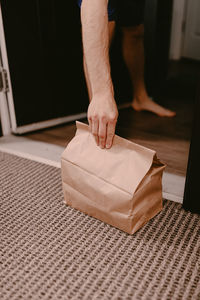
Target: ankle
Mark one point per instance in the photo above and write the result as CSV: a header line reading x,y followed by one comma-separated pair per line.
x,y
140,98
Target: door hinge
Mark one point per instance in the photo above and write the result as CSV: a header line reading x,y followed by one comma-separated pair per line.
x,y
4,86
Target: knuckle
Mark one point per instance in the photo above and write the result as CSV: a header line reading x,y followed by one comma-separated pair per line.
x,y
103,118
113,118
102,136
95,117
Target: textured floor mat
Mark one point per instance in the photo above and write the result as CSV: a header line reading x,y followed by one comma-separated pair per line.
x,y
51,251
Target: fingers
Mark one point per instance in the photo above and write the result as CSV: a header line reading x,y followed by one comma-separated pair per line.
x,y
95,130
102,133
110,133
90,124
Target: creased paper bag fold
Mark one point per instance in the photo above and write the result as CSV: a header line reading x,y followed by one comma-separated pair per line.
x,y
121,186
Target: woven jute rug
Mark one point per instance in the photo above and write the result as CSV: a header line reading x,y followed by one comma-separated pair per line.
x,y
51,251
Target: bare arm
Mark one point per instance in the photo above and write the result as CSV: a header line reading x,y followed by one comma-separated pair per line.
x,y
102,111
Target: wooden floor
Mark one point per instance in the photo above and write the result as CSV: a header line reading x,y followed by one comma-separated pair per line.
x,y
170,137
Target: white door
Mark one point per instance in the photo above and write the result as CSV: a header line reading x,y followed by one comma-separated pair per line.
x,y
191,44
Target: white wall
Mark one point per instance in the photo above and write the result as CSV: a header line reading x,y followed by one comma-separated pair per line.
x,y
178,17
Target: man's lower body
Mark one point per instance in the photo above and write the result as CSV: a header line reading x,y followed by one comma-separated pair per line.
x,y
129,15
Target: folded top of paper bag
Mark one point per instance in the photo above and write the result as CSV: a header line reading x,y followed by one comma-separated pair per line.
x,y
123,165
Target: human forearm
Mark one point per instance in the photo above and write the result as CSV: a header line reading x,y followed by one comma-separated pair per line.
x,y
95,37
102,111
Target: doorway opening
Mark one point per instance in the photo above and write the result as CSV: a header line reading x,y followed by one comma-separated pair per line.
x,y
170,137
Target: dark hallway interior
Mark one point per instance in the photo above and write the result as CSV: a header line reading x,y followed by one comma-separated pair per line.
x,y
170,137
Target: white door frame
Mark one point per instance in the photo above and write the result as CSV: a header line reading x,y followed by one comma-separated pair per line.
x,y
7,110
191,43
177,32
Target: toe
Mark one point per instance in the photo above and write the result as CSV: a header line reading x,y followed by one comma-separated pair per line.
x,y
171,113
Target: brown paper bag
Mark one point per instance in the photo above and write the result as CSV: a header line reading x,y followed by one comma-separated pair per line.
x,y
121,186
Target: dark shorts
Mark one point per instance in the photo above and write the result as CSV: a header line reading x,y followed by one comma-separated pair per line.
x,y
125,12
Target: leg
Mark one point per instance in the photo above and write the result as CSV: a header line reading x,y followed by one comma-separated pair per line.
x,y
133,52
111,25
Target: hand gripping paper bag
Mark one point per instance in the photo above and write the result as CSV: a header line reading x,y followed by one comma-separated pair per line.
x,y
121,186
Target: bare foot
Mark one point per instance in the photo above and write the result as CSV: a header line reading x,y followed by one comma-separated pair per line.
x,y
150,105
